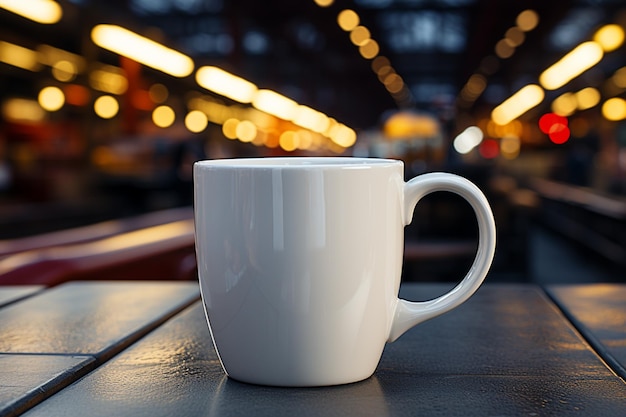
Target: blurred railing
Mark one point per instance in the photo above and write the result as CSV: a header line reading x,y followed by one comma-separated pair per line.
x,y
142,248
594,221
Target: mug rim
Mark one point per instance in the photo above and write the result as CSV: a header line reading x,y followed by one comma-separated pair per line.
x,y
298,162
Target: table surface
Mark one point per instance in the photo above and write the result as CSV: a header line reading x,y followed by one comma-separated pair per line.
x,y
144,349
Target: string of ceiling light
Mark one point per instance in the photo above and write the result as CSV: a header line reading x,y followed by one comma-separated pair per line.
x,y
350,21
504,123
302,127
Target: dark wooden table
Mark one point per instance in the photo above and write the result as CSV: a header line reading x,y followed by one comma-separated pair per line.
x,y
143,349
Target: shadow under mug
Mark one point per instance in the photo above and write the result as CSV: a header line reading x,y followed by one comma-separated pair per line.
x,y
300,261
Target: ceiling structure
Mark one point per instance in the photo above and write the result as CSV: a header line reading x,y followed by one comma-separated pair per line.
x,y
298,49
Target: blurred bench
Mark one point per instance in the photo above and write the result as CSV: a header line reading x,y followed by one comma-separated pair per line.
x,y
159,252
93,232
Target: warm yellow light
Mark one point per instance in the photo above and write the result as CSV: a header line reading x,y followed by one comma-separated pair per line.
x,y
64,70
158,93
379,63
343,136
324,3
305,139
565,104
146,51
359,35
408,125
587,98
22,110
369,49
614,109
49,55
476,85
288,141
229,128
519,103
348,19
196,121
527,20
109,79
245,131
610,37
40,11
515,36
580,59
226,84
216,112
19,56
384,72
503,49
163,116
510,147
311,119
393,82
106,107
275,104
619,78
51,98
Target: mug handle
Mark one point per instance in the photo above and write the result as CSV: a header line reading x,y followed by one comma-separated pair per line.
x,y
409,313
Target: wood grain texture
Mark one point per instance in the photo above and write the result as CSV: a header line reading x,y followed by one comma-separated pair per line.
x,y
96,318
507,351
12,293
27,379
599,312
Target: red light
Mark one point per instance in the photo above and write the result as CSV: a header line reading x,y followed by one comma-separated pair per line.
x,y
550,119
559,133
489,148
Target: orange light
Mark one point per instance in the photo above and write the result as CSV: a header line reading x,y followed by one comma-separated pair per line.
x,y
527,20
76,95
369,49
348,20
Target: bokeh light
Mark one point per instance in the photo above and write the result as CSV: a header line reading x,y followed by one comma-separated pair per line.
x,y
548,120
527,20
510,147
158,93
245,131
229,128
360,35
163,116
559,133
614,109
468,140
348,20
51,98
369,49
610,37
288,141
64,70
489,148
106,107
196,121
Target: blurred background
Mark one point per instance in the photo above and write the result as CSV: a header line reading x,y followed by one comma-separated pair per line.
x,y
105,105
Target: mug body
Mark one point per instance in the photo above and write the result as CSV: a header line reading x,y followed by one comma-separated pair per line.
x,y
299,261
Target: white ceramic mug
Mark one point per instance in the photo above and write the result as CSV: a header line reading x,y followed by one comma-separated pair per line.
x,y
299,261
